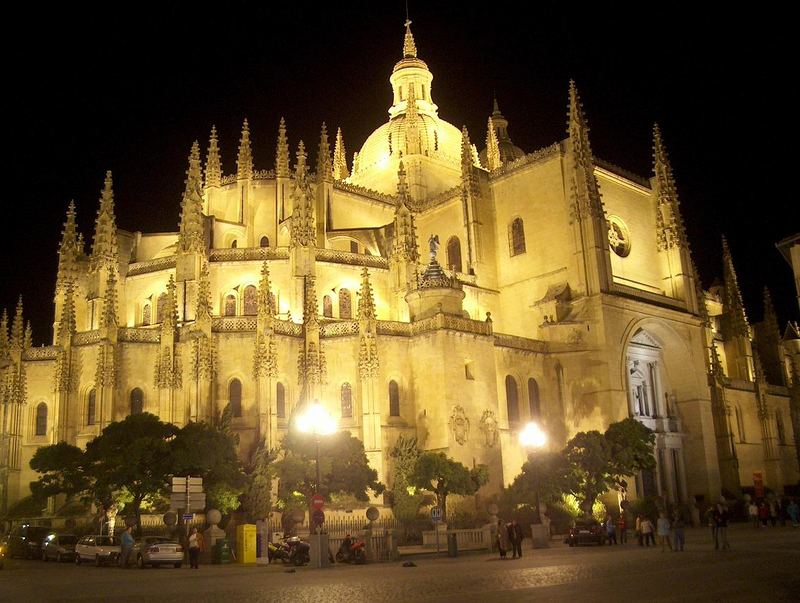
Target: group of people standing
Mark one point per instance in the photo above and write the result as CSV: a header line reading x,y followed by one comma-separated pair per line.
x,y
509,536
771,512
668,531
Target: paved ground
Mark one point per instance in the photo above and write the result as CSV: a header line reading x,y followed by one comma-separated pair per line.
x,y
763,565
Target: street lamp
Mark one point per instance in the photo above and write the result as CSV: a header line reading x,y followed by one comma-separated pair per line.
x,y
319,422
532,437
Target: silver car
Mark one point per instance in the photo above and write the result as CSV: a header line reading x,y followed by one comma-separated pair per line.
x,y
60,547
157,550
100,549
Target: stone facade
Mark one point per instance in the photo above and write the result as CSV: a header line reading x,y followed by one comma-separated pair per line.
x,y
553,288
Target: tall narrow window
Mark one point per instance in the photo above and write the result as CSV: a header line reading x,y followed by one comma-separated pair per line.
x,y
347,401
146,315
454,254
41,419
230,305
264,242
137,401
512,399
394,399
327,306
161,307
250,300
534,407
780,427
516,237
280,402
345,304
91,407
740,423
353,247
235,397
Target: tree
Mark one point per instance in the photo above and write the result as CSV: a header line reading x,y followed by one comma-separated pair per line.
x,y
631,448
63,469
343,466
405,500
443,476
544,477
257,496
133,454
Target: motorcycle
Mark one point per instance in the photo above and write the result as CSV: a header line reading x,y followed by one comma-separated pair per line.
x,y
291,551
351,551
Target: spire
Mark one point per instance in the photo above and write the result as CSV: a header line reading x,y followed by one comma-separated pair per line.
x,y
587,200
771,318
324,156
737,324
265,300
404,245
310,300
27,340
492,148
339,158
171,309
409,47
265,358
17,327
366,301
67,322
244,161
213,164
202,308
191,228
282,152
4,342
104,245
468,180
109,316
669,224
68,250
303,227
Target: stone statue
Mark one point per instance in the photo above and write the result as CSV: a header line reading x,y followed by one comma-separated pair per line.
x,y
433,243
459,425
489,428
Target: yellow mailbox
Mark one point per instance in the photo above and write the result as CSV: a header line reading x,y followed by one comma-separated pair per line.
x,y
246,543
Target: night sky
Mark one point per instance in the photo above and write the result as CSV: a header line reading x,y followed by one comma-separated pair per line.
x,y
129,92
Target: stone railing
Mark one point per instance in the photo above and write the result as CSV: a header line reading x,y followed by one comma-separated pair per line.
x,y
661,300
263,174
443,197
476,538
520,343
49,352
453,323
229,179
224,324
353,259
287,327
134,335
530,158
391,327
241,254
339,328
363,192
155,265
87,337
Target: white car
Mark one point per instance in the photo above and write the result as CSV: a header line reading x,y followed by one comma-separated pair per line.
x,y
156,550
100,549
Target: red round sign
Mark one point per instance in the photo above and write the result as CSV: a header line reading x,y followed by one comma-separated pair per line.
x,y
317,502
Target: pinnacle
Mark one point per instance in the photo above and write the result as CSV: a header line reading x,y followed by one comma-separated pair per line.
x,y
409,47
301,156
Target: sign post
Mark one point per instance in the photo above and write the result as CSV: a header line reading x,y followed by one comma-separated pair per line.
x,y
436,517
187,494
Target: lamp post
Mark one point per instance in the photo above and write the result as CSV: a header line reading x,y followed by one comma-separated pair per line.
x,y
533,438
319,422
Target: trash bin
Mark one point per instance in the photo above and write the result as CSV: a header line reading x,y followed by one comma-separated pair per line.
x,y
221,553
452,545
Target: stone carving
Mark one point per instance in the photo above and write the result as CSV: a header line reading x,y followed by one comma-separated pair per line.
x,y
433,243
459,425
489,428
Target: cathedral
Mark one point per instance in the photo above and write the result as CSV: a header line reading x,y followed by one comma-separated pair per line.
x,y
420,287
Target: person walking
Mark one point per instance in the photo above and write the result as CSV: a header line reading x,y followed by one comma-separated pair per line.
x,y
763,513
622,529
678,530
502,538
721,520
663,527
793,511
515,538
611,530
639,536
126,547
195,548
752,513
647,532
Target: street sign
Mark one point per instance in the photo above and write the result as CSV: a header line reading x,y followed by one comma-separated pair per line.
x,y
184,480
436,514
317,502
181,488
188,516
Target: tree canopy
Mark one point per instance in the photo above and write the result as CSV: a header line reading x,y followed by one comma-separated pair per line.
x,y
436,472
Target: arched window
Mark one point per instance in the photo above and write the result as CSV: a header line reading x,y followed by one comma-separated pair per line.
x,y
353,247
161,307
347,401
234,244
235,397
345,305
264,242
137,401
516,237
91,407
327,306
534,407
280,402
230,305
146,315
454,254
512,399
41,419
250,300
780,428
394,399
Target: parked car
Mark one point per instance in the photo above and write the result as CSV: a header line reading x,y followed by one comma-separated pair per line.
x,y
60,547
3,547
26,541
586,531
157,550
98,548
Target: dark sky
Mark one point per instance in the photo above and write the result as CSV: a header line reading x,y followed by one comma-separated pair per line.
x,y
99,90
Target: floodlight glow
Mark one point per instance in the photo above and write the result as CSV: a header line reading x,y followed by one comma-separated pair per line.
x,y
316,420
532,436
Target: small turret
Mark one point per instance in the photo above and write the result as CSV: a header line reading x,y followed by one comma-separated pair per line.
x,y
340,171
493,160
244,160
213,162
104,245
669,223
324,171
68,250
191,237
282,152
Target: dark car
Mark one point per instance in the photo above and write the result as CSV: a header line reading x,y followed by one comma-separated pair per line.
x,y
60,547
26,541
586,531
